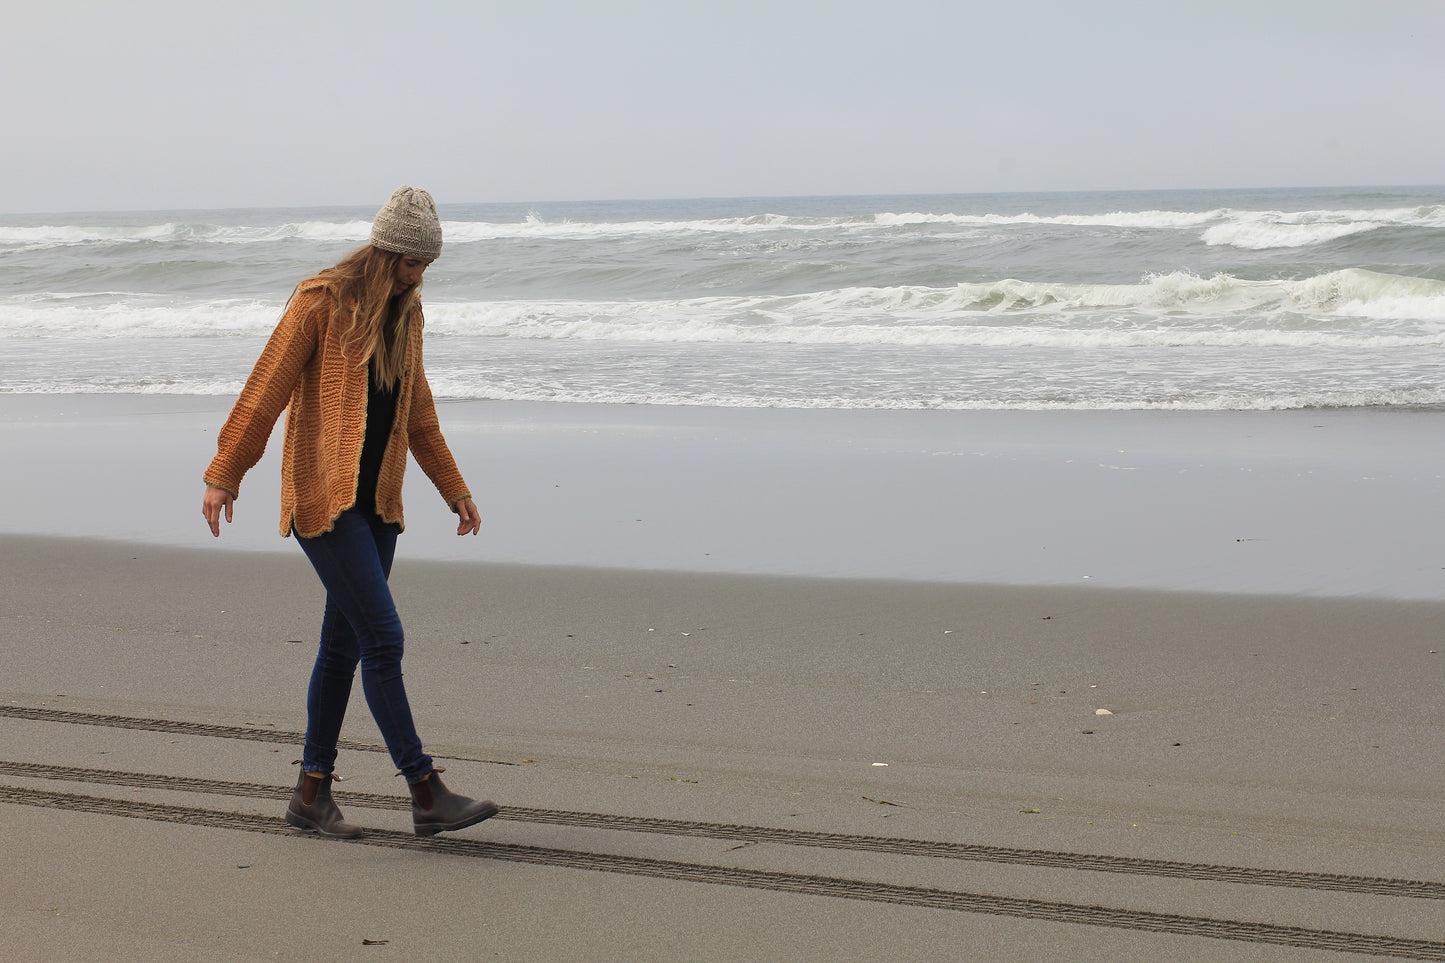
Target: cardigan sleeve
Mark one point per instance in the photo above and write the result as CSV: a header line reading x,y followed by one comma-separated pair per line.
x,y
242,439
424,436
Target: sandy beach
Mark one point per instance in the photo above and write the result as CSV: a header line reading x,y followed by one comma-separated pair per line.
x,y
728,756
700,766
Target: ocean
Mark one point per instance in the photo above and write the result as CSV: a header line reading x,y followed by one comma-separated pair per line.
x,y
1196,300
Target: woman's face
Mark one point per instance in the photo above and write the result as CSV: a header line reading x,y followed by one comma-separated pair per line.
x,y
408,274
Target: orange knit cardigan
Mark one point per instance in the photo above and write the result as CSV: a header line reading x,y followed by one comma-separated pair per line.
x,y
324,394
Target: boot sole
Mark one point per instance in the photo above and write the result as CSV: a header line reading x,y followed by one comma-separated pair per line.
x,y
431,829
301,822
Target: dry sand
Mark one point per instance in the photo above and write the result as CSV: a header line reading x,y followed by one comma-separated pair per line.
x,y
1271,769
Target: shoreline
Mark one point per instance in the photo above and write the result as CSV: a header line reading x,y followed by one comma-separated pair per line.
x,y
1333,503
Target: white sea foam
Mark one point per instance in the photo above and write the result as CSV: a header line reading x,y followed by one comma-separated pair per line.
x,y
1175,309
68,235
1089,398
1131,219
1252,230
838,302
1356,293
95,317
41,237
1350,307
1263,235
1223,225
1263,230
1051,394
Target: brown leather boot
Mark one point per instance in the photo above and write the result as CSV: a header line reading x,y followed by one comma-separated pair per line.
x,y
436,809
321,814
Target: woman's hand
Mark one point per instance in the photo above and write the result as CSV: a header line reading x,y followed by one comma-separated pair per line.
x,y
216,499
468,518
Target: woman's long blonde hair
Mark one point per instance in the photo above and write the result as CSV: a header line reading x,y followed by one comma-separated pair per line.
x,y
377,329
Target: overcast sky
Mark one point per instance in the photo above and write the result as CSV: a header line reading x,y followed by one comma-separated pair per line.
x,y
128,104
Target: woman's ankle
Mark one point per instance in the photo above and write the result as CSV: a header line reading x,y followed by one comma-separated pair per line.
x,y
311,787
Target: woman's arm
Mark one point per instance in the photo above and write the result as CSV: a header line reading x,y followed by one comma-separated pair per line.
x,y
242,439
424,437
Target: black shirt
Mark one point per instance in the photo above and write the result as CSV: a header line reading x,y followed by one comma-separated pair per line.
x,y
380,415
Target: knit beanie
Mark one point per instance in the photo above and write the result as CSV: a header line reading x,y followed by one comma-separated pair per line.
x,y
408,224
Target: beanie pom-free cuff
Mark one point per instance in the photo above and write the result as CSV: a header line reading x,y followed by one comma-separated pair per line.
x,y
407,224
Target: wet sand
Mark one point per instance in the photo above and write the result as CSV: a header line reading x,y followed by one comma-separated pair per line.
x,y
1339,502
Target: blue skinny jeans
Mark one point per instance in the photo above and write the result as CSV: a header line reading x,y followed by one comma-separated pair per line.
x,y
360,625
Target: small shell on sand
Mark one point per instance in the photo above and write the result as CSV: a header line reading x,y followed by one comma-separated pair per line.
x,y
1102,712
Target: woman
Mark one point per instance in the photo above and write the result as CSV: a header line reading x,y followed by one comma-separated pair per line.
x,y
345,362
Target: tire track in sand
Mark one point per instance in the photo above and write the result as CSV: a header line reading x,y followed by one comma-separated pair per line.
x,y
803,884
